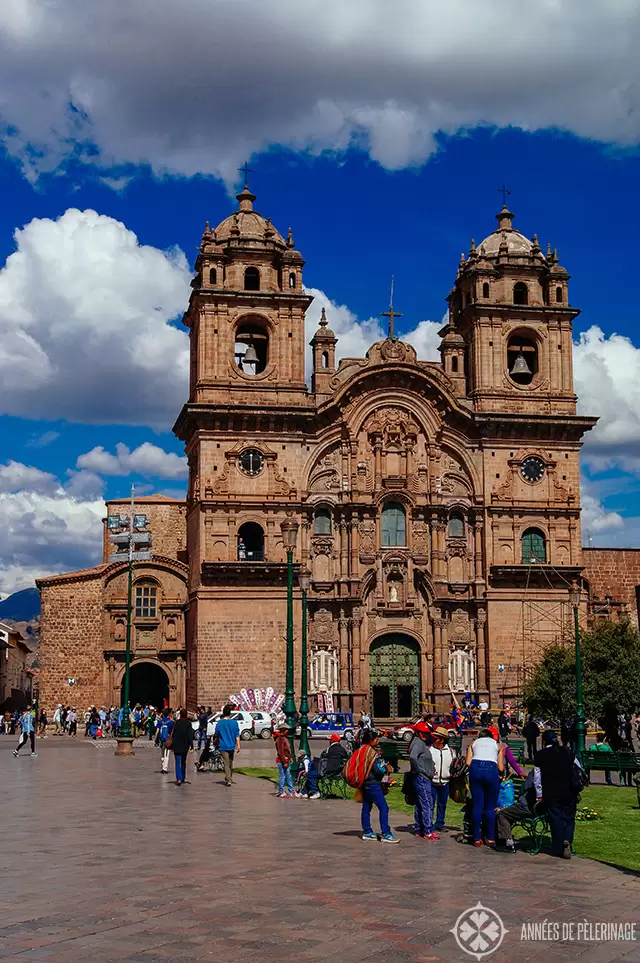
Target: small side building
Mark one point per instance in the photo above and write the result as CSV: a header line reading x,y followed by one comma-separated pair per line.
x,y
15,676
84,620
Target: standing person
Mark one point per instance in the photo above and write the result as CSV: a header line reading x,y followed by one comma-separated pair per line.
x,y
374,771
203,719
531,731
72,719
283,761
87,721
442,756
57,720
421,762
164,731
601,746
42,724
485,759
181,744
555,784
27,727
228,739
504,726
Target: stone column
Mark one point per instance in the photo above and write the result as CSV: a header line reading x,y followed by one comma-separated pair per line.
x,y
353,540
344,548
481,651
377,451
355,661
477,535
343,626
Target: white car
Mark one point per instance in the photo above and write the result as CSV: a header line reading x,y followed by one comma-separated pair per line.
x,y
244,720
262,724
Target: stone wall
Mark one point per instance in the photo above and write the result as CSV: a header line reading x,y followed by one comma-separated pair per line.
x,y
167,524
72,643
613,575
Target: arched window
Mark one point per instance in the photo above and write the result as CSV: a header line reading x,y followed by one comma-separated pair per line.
x,y
325,359
454,363
559,294
146,599
213,277
456,525
534,547
292,279
520,293
322,522
251,347
250,543
485,289
394,525
252,279
522,359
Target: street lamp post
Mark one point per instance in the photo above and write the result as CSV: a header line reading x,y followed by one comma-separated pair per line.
x,y
289,529
305,580
581,724
127,533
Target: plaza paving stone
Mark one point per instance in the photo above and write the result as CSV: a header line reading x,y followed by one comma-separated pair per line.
x,y
105,859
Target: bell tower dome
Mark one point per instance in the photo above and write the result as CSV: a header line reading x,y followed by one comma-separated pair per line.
x,y
510,305
246,313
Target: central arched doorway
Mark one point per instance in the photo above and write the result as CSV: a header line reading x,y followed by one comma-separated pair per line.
x,y
148,685
394,673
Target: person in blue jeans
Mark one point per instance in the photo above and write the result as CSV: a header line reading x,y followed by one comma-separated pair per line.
x,y
485,758
284,758
181,743
372,792
227,737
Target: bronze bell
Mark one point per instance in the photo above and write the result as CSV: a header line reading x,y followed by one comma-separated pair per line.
x,y
520,366
250,355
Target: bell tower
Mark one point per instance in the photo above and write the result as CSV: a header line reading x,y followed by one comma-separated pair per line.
x,y
246,313
510,305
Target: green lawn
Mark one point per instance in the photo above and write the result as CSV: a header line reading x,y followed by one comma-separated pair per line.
x,y
613,839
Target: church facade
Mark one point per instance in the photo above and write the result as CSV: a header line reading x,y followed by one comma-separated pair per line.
x,y
437,503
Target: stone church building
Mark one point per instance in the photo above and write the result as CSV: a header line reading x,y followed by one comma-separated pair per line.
x,y
438,503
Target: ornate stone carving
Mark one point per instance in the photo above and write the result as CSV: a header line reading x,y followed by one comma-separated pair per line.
x,y
420,538
323,545
323,628
221,485
459,627
457,548
325,476
367,532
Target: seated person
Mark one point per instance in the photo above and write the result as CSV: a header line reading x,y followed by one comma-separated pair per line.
x,y
336,756
523,808
308,769
206,754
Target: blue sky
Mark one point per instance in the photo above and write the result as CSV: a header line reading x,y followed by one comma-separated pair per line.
x,y
402,195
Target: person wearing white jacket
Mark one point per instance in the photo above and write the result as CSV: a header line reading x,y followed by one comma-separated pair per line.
x,y
442,756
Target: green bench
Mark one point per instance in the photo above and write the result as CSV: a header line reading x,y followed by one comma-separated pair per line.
x,y
536,827
394,751
620,762
517,747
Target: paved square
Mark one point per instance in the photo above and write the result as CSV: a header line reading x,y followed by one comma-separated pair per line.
x,y
104,859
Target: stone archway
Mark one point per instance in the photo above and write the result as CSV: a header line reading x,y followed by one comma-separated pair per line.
x,y
148,685
394,677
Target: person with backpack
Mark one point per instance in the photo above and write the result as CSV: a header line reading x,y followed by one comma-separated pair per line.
x,y
27,731
558,780
283,761
367,773
421,762
227,738
164,732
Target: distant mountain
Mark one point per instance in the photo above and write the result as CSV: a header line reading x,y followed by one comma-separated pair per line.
x,y
22,606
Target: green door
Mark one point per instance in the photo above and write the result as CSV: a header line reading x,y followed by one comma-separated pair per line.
x,y
394,673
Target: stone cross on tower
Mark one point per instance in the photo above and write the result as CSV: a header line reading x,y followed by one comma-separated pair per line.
x,y
246,171
504,190
391,314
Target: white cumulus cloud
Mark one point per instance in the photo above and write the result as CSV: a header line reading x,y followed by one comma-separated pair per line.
x,y
84,324
147,460
197,86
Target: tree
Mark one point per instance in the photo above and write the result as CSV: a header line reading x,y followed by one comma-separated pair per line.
x,y
610,677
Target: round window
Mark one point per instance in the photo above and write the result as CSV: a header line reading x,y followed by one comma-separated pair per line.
x,y
251,461
532,469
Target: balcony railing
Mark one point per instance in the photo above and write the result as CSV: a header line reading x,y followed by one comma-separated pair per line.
x,y
251,555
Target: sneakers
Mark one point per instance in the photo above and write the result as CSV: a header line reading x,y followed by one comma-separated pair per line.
x,y
431,836
566,850
283,795
315,795
15,752
34,754
390,838
510,846
373,836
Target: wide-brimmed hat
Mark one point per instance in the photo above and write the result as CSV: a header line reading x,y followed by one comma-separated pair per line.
x,y
283,726
441,732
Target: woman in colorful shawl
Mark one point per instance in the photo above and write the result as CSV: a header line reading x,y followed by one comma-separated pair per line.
x,y
373,770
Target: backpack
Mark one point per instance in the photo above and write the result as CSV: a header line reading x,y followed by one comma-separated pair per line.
x,y
164,730
354,768
458,768
409,789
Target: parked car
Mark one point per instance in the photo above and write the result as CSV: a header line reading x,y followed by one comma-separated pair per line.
x,y
244,720
405,732
326,723
262,724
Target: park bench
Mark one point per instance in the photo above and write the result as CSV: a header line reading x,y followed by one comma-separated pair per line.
x,y
517,747
394,751
536,827
620,762
333,786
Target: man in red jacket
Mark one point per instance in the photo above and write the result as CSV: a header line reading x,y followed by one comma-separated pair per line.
x,y
283,761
